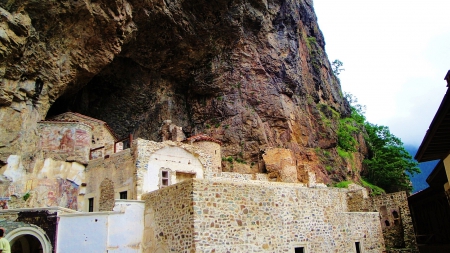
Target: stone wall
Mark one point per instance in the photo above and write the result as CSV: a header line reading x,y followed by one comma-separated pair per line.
x,y
119,169
169,219
106,201
213,149
255,216
395,217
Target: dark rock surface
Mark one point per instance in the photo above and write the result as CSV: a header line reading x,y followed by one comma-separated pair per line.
x,y
251,73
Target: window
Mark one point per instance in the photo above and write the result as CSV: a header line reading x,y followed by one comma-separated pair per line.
x,y
358,247
123,195
91,205
164,178
300,250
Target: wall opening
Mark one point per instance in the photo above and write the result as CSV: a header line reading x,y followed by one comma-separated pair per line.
x,y
387,223
300,250
395,214
358,247
26,244
164,178
91,205
29,240
123,195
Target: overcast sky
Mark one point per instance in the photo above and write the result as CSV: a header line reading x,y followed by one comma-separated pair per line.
x,y
395,53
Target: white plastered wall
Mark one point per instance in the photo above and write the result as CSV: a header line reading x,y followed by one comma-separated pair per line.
x,y
172,159
117,231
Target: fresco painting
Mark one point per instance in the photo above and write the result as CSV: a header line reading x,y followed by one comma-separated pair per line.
x,y
59,192
58,139
82,138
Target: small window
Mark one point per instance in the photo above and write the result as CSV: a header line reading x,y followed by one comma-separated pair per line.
x,y
395,214
123,195
164,178
387,223
358,247
91,205
300,250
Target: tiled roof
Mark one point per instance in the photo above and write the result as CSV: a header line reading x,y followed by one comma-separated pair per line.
x,y
203,137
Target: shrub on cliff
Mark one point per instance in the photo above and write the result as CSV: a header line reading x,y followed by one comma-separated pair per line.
x,y
388,162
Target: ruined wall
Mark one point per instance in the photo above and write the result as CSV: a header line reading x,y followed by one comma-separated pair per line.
x,y
256,217
400,227
65,141
119,169
394,213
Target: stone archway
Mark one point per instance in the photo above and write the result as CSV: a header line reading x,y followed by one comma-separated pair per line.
x,y
30,238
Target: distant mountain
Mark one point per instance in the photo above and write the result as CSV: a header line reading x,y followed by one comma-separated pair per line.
x,y
419,181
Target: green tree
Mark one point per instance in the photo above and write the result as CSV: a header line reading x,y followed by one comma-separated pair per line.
x,y
388,162
336,67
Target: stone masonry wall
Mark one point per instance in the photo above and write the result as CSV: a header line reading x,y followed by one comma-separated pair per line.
x,y
169,219
106,201
396,202
394,216
213,149
119,168
255,216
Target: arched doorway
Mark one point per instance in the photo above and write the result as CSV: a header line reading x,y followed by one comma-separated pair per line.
x,y
26,244
29,240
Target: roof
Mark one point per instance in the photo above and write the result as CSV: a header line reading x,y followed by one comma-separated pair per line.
x,y
436,143
437,177
65,121
54,119
203,137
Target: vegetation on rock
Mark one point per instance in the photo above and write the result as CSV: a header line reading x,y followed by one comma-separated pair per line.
x,y
388,164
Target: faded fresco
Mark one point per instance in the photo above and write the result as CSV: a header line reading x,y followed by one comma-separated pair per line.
x,y
59,192
59,140
63,139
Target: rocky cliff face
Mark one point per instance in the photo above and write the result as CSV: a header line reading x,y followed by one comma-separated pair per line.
x,y
251,73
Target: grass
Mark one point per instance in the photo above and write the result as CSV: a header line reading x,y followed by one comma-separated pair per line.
x,y
343,184
344,154
375,189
